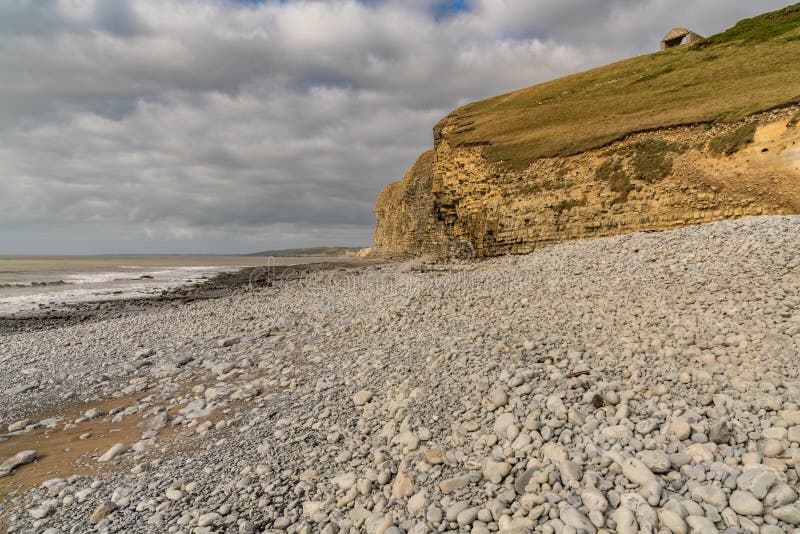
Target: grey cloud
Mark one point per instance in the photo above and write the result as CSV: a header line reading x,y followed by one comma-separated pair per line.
x,y
218,126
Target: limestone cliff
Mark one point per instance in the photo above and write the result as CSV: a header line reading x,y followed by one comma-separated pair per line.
x,y
455,198
406,211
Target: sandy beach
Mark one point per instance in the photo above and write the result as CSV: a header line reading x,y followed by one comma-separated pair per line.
x,y
646,382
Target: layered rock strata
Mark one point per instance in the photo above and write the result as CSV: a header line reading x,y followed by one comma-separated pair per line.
x,y
454,198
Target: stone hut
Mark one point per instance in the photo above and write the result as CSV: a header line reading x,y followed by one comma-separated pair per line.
x,y
679,36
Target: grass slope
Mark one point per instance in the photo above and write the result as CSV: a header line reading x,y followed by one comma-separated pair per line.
x,y
751,67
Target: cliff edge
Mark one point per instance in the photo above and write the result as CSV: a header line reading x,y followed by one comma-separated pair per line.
x,y
684,136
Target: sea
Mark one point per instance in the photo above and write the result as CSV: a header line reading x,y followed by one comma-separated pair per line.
x,y
30,283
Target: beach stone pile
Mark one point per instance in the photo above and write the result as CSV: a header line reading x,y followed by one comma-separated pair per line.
x,y
641,383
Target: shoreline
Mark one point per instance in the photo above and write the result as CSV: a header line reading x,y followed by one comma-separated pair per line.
x,y
219,285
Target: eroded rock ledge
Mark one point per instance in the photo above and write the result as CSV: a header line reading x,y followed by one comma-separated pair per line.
x,y
454,200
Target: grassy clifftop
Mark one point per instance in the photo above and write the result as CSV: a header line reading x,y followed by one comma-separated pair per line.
x,y
749,68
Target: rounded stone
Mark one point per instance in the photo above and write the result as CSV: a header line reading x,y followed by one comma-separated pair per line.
x,y
744,503
680,428
362,397
498,397
772,448
468,516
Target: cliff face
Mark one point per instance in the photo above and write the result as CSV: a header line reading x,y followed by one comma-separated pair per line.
x,y
456,200
406,211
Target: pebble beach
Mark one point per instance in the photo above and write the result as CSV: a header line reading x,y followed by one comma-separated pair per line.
x,y
640,383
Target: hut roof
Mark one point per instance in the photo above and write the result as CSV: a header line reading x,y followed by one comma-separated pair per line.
x,y
675,33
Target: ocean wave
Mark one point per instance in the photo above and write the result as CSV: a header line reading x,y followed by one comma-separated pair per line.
x,y
18,285
104,277
16,303
171,274
117,284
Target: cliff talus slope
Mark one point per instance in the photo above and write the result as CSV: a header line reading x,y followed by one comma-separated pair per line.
x,y
680,137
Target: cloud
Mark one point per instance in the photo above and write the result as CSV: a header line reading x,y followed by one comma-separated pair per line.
x,y
222,126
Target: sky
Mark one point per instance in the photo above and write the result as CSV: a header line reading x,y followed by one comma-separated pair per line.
x,y
231,126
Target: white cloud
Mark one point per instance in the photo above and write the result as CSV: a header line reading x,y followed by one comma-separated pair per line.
x,y
211,125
